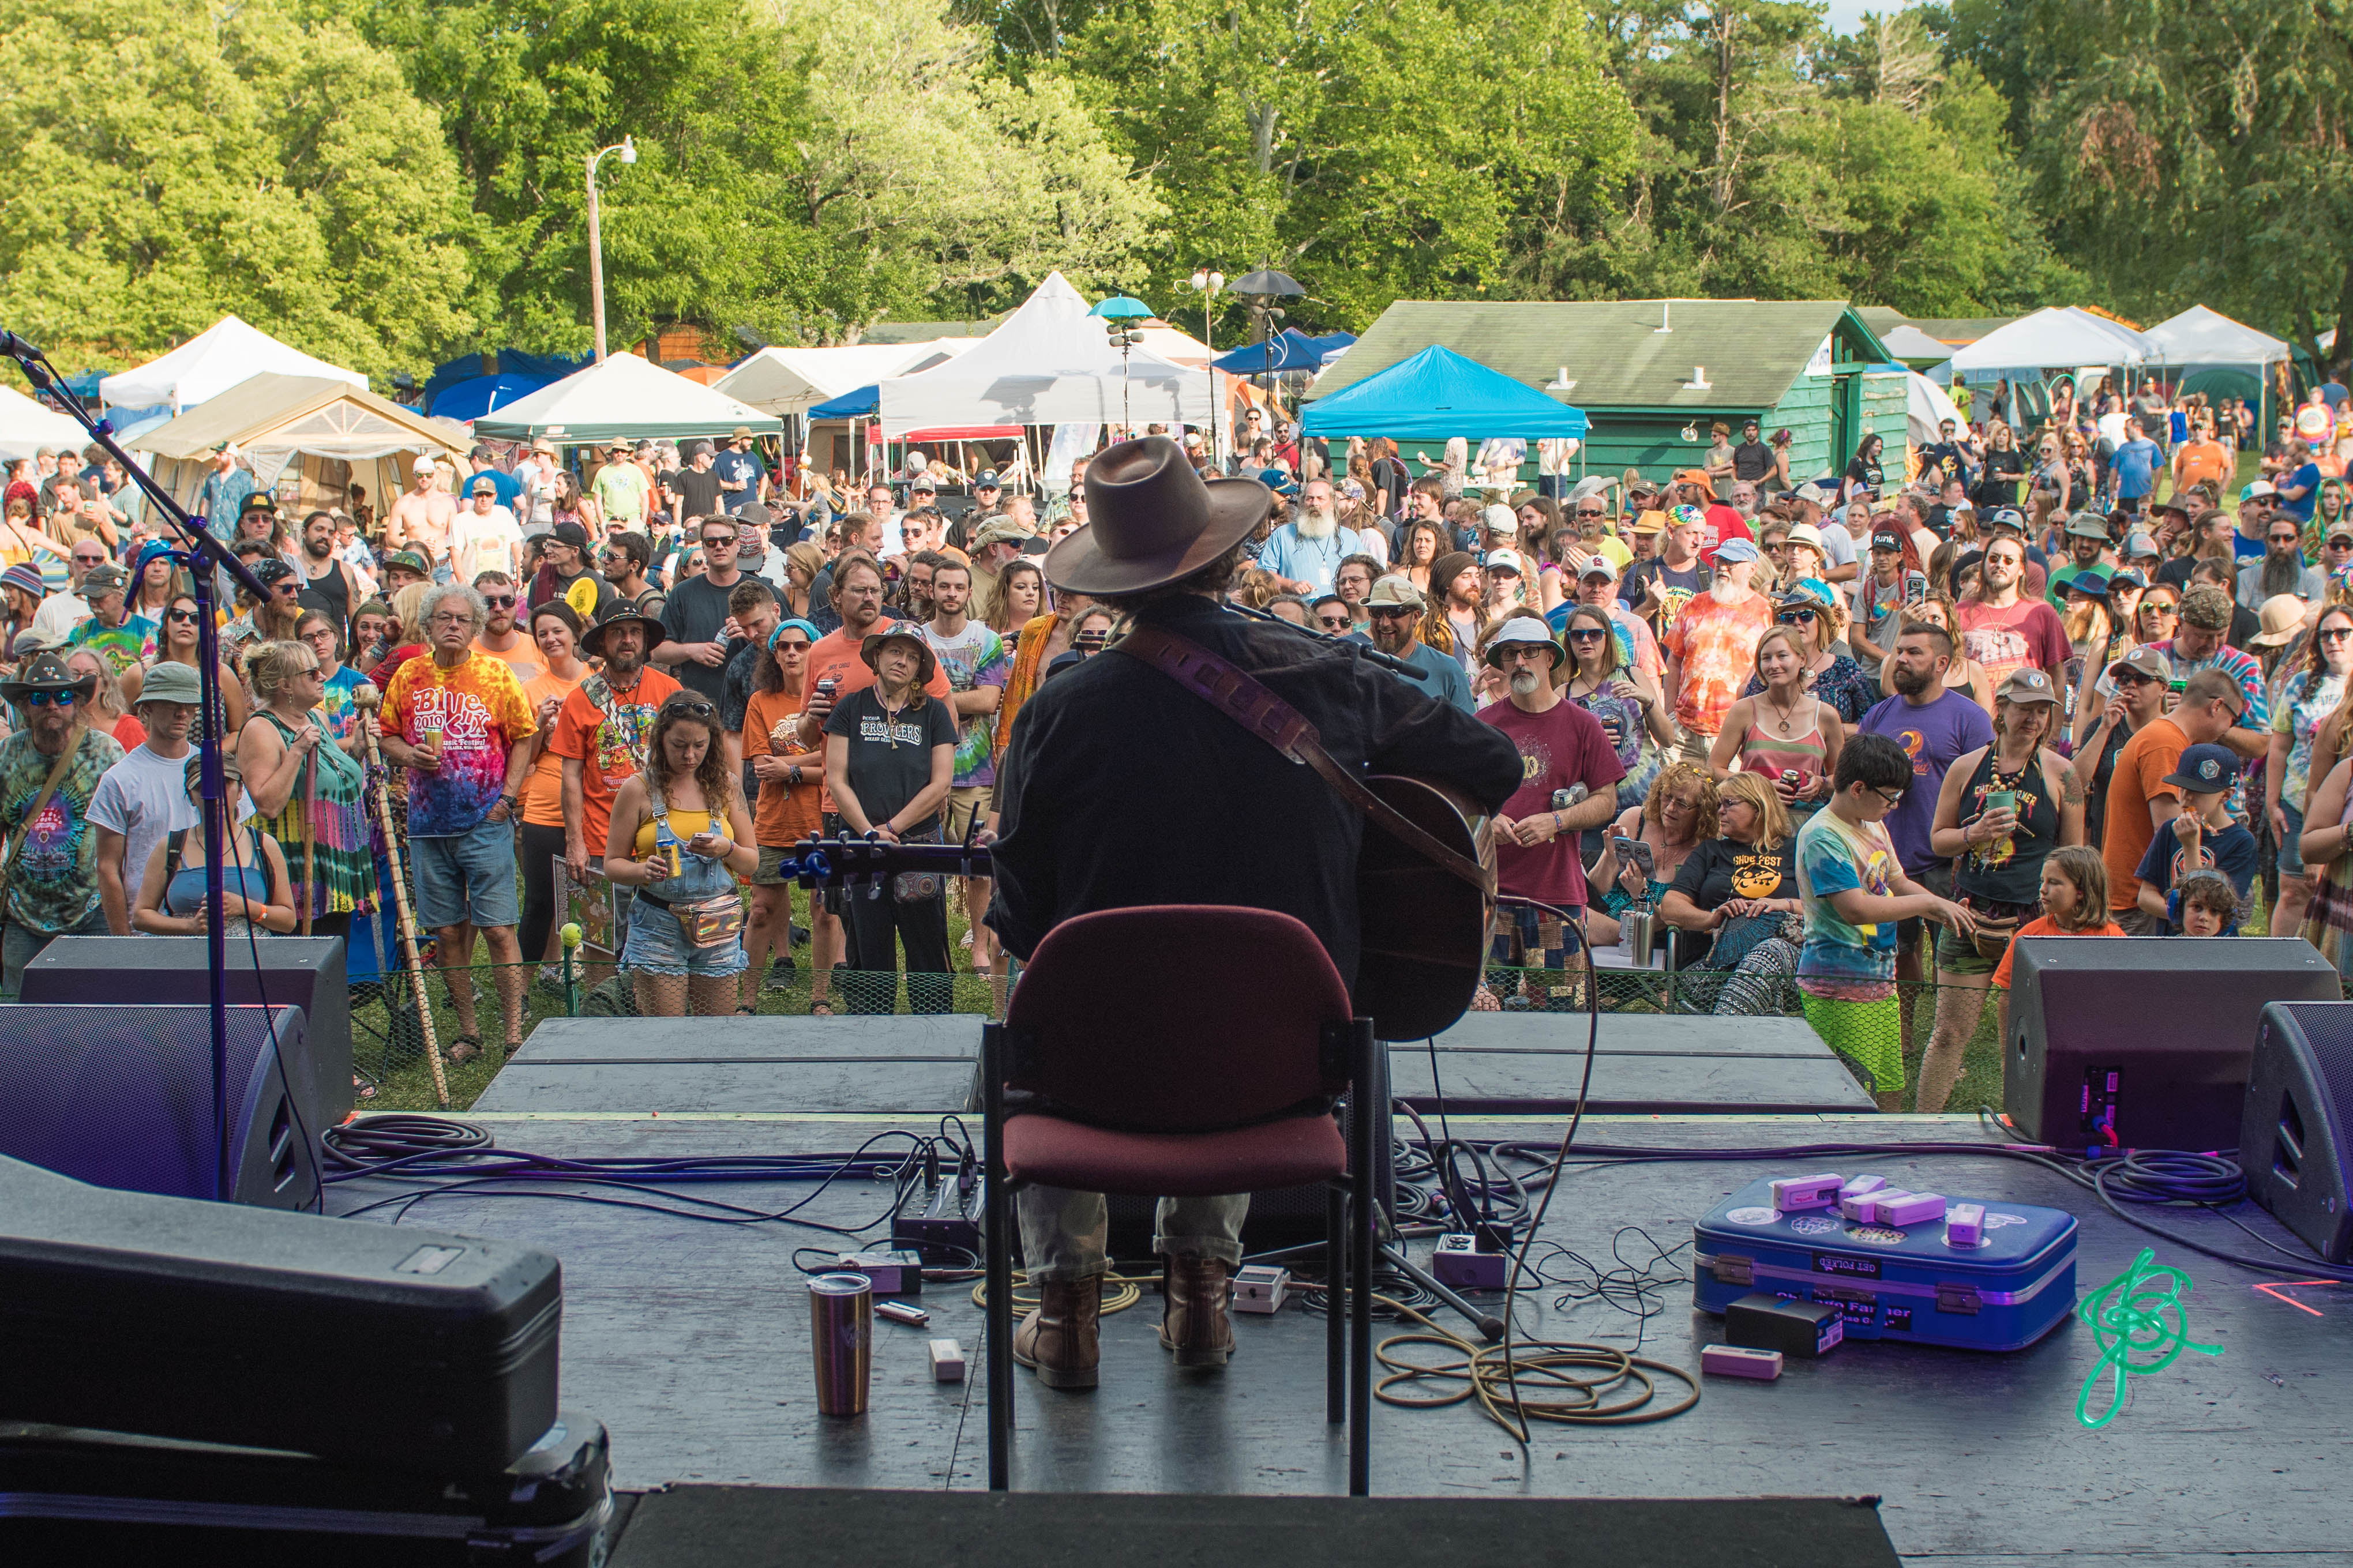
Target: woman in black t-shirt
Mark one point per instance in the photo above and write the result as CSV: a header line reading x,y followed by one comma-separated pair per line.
x,y
890,757
1737,897
1864,473
2005,464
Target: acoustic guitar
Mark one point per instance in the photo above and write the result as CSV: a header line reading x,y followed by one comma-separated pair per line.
x,y
1423,928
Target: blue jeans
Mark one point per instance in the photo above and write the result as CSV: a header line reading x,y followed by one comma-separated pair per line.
x,y
20,944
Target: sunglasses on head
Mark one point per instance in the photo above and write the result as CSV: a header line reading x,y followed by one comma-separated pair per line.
x,y
47,699
695,706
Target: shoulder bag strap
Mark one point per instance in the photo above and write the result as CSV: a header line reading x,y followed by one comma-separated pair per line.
x,y
1261,712
48,787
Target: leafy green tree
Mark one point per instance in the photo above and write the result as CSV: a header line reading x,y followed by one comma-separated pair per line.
x,y
178,163
1374,148
2192,153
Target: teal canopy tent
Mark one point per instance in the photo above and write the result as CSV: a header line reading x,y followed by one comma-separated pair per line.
x,y
1438,393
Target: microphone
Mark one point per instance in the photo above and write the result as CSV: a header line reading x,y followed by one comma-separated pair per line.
x,y
16,347
1385,660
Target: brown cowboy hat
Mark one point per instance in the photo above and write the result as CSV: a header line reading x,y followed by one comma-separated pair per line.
x,y
1152,521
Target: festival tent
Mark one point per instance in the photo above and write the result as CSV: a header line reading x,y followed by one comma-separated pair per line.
x,y
1288,350
224,355
793,381
1438,393
463,401
2200,337
1925,405
306,437
626,398
27,426
2053,338
1915,347
1174,344
1049,363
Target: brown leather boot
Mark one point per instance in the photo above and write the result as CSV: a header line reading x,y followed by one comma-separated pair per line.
x,y
1059,1341
1193,1320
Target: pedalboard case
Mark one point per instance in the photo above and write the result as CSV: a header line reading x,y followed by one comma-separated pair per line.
x,y
1889,1281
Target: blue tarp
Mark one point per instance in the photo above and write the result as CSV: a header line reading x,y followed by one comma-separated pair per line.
x,y
470,400
1438,394
858,405
539,368
1289,350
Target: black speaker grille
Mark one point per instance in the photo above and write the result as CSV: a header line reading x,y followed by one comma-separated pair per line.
x,y
2329,1031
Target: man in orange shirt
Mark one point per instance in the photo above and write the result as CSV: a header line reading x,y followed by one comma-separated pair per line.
x,y
857,599
602,730
2140,801
2202,458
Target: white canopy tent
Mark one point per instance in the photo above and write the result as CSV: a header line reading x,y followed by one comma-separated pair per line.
x,y
25,427
793,381
1925,406
224,354
2200,337
2054,337
626,398
1049,363
1912,346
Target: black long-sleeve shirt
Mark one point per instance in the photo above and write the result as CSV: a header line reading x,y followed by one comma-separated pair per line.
x,y
1123,788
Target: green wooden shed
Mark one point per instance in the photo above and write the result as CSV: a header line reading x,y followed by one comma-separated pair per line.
x,y
1654,374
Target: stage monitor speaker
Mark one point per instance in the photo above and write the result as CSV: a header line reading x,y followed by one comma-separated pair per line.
x,y
2144,1043
378,1344
2297,1136
122,1096
305,972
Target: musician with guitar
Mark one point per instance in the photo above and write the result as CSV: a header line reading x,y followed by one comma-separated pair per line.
x,y
1130,781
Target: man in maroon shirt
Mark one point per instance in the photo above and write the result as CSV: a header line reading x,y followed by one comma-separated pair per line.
x,y
1562,749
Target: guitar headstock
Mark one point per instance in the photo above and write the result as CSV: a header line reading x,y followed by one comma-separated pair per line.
x,y
868,861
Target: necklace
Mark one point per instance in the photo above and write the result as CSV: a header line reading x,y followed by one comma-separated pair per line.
x,y
1781,717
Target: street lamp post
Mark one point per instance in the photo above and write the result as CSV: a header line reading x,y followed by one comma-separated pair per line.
x,y
628,148
1208,283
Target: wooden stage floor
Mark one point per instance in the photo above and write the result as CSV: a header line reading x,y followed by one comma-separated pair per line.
x,y
691,1341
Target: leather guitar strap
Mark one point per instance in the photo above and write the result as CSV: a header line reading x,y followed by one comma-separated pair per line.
x,y
1239,696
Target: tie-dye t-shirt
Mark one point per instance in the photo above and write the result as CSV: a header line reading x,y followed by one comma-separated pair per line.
x,y
478,710
121,647
973,657
52,859
1854,963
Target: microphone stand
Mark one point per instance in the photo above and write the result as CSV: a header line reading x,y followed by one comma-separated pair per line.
x,y
201,554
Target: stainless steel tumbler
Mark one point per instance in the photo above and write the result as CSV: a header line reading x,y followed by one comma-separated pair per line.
x,y
842,1341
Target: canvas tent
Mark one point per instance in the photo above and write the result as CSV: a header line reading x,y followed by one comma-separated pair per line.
x,y
26,426
1049,363
626,398
1438,393
2200,337
793,381
306,437
2056,338
1915,347
224,355
1925,406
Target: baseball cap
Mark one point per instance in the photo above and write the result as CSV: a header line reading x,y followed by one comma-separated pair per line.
x,y
2140,546
422,466
2007,517
986,480
1499,518
2204,769
1600,566
482,488
1887,538
99,579
2089,584
923,482
2027,684
408,558
1393,591
2259,490
2128,578
1508,560
2144,661
2207,607
1589,486
570,534
1736,549
1697,476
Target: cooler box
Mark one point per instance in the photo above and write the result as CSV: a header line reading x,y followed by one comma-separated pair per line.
x,y
1894,1282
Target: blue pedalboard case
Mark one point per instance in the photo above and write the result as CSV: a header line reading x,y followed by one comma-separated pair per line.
x,y
1891,1282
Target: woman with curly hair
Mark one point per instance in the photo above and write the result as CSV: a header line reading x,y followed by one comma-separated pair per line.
x,y
681,836
1678,815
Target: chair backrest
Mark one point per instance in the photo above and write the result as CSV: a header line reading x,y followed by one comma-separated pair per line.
x,y
1177,1017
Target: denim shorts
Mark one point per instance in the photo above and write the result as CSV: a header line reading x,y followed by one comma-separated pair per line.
x,y
468,879
657,945
2291,847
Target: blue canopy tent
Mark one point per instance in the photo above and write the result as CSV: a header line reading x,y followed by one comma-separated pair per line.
x,y
861,403
1438,394
1290,349
467,401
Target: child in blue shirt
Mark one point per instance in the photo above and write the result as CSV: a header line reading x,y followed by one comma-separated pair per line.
x,y
2202,838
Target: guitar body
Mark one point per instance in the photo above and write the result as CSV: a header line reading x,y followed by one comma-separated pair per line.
x,y
1424,929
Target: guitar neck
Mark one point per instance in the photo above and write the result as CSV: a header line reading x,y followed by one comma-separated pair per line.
x,y
853,862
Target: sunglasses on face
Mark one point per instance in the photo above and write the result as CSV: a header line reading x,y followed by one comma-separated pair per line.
x,y
1795,618
798,646
728,542
1333,622
2335,633
49,699
2283,539
499,601
1586,633
181,616
1392,611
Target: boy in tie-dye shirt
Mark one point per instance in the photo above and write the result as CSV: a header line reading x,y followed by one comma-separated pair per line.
x,y
1855,893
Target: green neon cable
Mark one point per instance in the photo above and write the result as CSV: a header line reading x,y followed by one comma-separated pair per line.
x,y
2139,1312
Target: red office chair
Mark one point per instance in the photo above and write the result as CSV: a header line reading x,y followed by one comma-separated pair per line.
x,y
1213,1077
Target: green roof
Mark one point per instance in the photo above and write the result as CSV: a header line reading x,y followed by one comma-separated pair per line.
x,y
1752,349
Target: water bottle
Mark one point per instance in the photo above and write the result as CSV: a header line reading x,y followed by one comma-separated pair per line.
x,y
667,851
